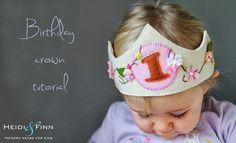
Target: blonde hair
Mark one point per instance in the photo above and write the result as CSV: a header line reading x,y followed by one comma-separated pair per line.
x,y
171,20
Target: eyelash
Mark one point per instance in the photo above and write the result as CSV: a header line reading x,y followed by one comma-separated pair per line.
x,y
175,116
144,116
179,116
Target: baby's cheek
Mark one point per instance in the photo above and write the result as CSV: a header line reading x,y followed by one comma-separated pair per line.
x,y
187,124
146,125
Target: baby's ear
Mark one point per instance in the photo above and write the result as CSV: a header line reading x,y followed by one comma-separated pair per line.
x,y
204,87
215,74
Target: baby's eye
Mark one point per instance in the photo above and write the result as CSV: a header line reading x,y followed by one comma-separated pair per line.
x,y
144,116
179,115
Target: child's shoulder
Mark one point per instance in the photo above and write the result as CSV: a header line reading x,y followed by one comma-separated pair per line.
x,y
119,106
119,110
220,108
220,115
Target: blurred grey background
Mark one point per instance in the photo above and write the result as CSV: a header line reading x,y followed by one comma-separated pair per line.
x,y
77,114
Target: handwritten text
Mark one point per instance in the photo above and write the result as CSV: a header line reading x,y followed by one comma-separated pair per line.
x,y
56,29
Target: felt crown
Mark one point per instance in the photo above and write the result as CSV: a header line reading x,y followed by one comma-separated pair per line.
x,y
155,66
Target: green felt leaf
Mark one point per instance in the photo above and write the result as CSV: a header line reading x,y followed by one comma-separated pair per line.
x,y
121,71
210,46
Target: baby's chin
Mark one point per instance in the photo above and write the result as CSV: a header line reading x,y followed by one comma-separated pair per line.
x,y
169,136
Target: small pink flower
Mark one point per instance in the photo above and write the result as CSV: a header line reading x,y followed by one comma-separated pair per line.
x,y
128,66
129,77
110,70
191,73
128,73
209,56
147,139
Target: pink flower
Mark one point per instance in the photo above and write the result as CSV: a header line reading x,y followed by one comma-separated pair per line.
x,y
128,73
209,57
147,139
191,73
129,77
128,66
110,70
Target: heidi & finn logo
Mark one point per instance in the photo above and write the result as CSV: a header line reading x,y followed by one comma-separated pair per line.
x,y
29,129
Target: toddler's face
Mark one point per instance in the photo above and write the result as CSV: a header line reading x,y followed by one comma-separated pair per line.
x,y
170,115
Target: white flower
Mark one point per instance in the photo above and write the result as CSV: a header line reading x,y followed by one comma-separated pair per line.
x,y
174,61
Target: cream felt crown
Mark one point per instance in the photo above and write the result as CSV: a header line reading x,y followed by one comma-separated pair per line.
x,y
155,66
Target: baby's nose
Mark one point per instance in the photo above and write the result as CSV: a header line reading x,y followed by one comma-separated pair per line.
x,y
162,126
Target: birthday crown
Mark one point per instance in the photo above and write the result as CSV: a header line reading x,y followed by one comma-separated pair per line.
x,y
155,66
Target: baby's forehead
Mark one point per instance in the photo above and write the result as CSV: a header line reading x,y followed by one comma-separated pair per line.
x,y
174,101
